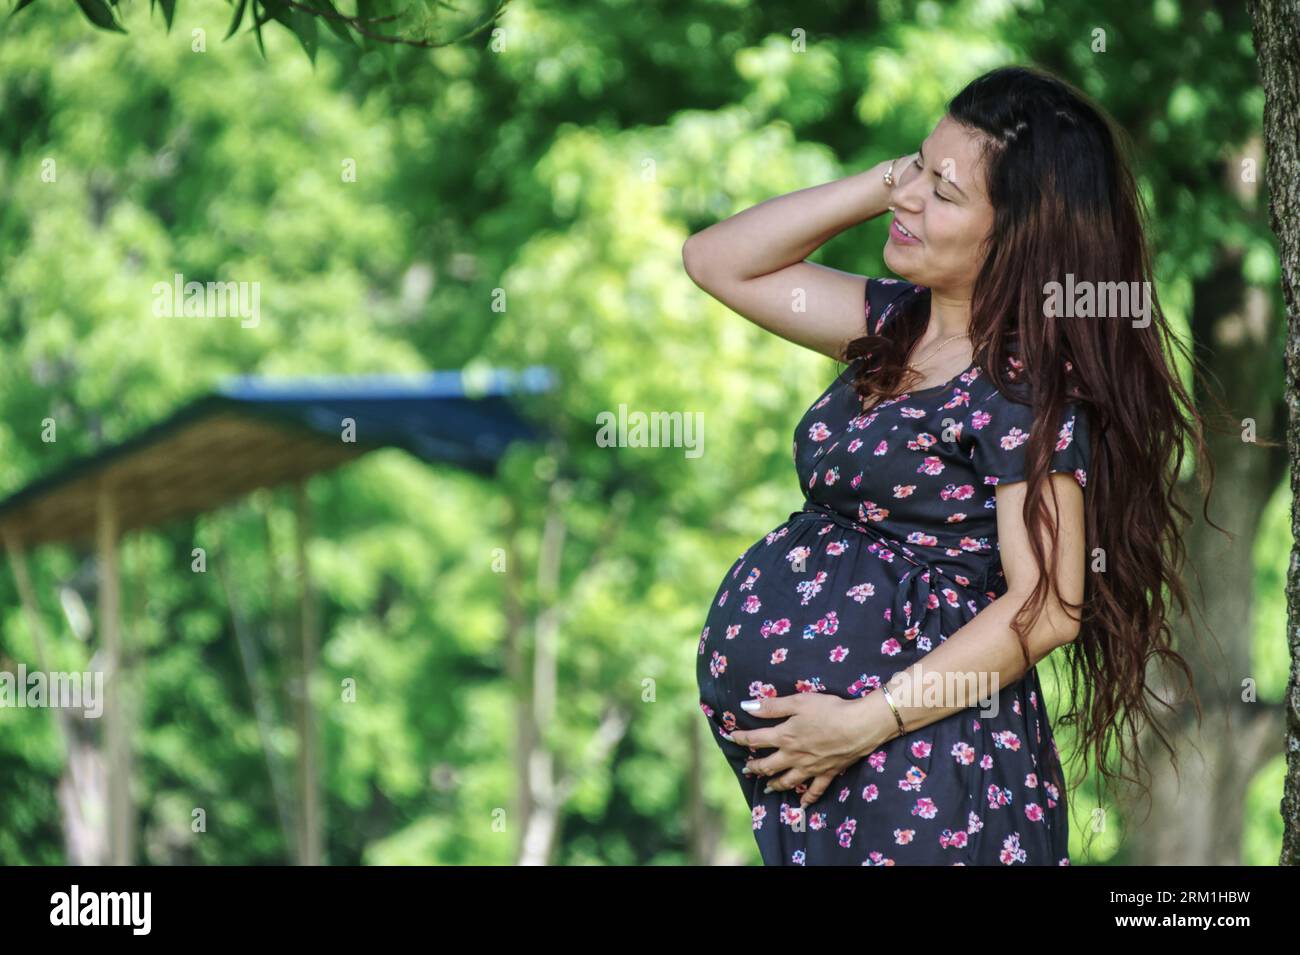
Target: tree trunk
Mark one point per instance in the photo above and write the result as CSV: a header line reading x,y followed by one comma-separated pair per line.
x,y
540,817
1276,31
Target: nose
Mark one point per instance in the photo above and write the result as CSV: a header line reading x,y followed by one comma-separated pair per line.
x,y
909,192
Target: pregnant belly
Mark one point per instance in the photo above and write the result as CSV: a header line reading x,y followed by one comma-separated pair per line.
x,y
810,608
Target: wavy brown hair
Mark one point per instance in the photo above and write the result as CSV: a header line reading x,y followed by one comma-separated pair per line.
x,y
1065,201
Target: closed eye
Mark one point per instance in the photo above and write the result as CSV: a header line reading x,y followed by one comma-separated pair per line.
x,y
916,161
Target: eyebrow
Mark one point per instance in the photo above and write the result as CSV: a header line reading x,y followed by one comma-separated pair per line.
x,y
921,153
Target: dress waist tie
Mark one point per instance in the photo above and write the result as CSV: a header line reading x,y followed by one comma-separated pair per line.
x,y
912,598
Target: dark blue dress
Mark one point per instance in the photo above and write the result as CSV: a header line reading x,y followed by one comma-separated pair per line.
x,y
895,548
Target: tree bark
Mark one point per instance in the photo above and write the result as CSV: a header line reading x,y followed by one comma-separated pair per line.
x,y
1276,32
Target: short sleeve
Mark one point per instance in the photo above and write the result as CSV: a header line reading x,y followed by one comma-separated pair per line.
x,y
881,298
1000,430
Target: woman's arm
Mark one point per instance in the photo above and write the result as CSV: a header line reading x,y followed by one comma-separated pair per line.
x,y
753,262
984,656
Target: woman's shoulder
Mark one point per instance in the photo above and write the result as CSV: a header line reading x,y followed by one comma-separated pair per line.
x,y
883,297
1007,410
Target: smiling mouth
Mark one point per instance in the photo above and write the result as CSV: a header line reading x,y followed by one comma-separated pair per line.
x,y
902,230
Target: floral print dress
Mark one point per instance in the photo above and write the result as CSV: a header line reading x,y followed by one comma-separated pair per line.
x,y
894,550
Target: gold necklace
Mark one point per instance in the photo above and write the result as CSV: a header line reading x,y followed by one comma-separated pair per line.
x,y
868,407
944,342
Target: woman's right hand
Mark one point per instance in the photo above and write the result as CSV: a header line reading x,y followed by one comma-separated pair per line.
x,y
905,170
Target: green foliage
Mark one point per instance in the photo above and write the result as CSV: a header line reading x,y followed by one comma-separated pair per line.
x,y
371,24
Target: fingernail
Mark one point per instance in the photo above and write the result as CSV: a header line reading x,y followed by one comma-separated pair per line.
x,y
749,706
766,790
746,770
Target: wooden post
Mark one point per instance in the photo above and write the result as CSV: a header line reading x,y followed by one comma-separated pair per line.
x,y
121,836
310,824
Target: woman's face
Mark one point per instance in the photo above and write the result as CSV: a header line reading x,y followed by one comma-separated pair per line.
x,y
940,198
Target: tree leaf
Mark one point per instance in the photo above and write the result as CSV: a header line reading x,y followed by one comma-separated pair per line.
x,y
303,25
100,14
257,29
239,17
337,27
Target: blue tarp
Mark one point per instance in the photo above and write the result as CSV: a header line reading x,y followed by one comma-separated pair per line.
x,y
443,416
257,432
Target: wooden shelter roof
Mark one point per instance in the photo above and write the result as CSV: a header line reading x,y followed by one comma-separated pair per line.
x,y
256,432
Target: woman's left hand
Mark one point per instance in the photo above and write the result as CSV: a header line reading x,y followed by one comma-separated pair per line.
x,y
823,736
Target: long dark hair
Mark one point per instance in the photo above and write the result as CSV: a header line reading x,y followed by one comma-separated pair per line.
x,y
1064,201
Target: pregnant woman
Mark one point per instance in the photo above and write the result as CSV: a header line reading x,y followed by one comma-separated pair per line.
x,y
988,480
